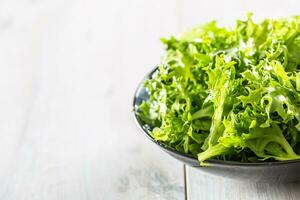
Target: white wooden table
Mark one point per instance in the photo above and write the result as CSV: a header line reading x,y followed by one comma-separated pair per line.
x,y
68,70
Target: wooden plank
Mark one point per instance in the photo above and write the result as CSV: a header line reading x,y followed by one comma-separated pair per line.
x,y
195,12
69,73
205,186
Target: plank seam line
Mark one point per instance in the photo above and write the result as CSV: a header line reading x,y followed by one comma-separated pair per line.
x,y
185,183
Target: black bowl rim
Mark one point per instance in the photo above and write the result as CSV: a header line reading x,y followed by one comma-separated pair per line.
x,y
214,162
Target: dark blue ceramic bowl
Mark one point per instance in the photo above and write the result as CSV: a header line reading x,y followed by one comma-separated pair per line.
x,y
280,171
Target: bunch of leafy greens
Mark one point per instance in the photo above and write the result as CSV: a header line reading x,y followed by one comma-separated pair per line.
x,y
229,93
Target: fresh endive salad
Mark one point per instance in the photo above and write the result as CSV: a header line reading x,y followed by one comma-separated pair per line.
x,y
229,93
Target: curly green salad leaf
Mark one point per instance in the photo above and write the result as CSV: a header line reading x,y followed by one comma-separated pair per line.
x,y
229,93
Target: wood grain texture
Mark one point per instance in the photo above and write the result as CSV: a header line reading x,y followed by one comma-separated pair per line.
x,y
68,73
68,70
205,186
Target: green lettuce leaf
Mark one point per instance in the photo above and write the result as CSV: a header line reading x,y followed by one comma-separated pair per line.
x,y
229,93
